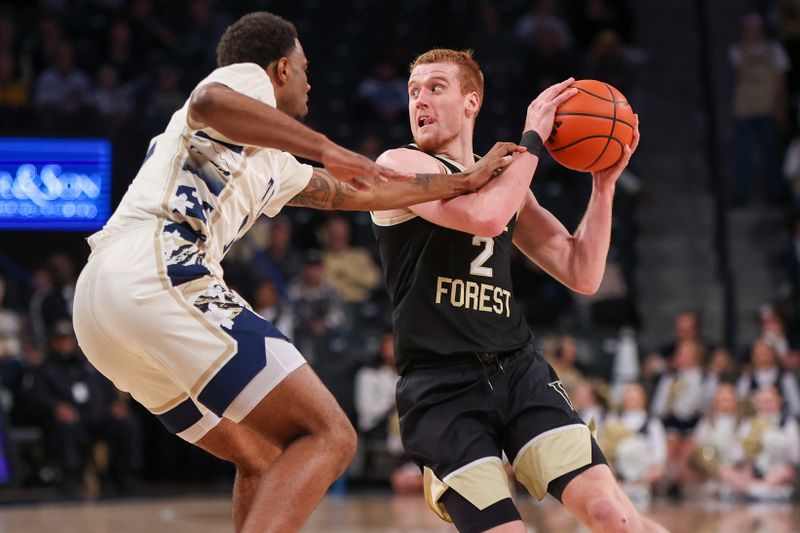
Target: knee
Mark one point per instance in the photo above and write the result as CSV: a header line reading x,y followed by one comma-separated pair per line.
x,y
342,440
606,514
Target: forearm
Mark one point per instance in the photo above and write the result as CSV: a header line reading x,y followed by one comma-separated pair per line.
x,y
590,243
326,192
247,121
488,210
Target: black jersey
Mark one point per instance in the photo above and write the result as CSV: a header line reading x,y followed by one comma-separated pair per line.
x,y
451,291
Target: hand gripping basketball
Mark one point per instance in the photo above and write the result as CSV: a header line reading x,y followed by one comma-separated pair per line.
x,y
591,128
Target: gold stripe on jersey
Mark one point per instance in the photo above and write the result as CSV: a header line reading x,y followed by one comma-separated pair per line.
x,y
552,454
483,483
468,294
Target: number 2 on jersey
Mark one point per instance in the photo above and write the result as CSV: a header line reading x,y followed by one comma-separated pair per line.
x,y
476,267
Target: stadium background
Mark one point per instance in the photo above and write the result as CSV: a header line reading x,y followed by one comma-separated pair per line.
x,y
686,237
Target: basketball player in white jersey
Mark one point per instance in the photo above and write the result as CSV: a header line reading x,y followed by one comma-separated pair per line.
x,y
153,313
478,388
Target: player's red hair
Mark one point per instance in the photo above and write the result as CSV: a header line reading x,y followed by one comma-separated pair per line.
x,y
470,75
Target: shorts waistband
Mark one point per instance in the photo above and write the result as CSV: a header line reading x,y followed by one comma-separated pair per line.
x,y
465,360
102,238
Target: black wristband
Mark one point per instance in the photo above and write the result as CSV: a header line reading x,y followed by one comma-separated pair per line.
x,y
532,141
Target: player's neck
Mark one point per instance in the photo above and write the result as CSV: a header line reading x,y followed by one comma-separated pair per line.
x,y
458,149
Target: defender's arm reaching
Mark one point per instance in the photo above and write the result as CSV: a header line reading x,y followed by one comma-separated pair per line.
x,y
248,121
325,192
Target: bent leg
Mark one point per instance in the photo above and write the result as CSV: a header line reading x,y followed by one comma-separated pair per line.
x,y
301,417
597,500
251,454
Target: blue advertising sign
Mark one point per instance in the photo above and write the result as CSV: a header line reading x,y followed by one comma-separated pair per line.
x,y
54,184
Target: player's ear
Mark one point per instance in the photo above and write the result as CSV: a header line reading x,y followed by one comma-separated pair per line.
x,y
472,103
282,70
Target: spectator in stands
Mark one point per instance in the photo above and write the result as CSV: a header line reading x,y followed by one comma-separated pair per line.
x,y
350,270
760,65
42,286
378,423
57,302
543,18
62,89
773,331
10,328
269,304
716,440
149,32
375,396
765,372
14,93
279,261
687,327
203,27
42,48
317,307
680,399
562,358
77,407
595,16
11,352
609,60
165,97
637,443
771,444
383,95
112,101
120,53
590,399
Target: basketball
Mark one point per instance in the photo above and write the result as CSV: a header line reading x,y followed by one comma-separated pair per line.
x,y
591,128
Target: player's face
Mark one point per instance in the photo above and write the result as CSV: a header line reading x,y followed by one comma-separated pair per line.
x,y
295,93
437,108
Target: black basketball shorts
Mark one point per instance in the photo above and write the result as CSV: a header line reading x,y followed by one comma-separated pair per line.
x,y
456,421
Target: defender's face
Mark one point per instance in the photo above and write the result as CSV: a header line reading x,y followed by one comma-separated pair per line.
x,y
437,108
294,97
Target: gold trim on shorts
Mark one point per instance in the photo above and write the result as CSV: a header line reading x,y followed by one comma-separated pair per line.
x,y
552,454
482,483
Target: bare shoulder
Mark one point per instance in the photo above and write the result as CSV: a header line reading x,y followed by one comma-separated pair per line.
x,y
408,160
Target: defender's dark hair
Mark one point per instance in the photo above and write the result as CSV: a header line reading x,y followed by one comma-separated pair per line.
x,y
259,37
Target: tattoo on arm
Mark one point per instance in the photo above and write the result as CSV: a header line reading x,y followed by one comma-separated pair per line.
x,y
324,192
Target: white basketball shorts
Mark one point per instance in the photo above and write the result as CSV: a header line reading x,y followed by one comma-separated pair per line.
x,y
152,318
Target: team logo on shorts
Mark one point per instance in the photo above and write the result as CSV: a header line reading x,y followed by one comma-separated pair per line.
x,y
219,305
559,388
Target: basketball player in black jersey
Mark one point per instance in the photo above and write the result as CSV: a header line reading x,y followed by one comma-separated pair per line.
x,y
471,384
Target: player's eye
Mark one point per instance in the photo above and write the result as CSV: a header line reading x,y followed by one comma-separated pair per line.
x,y
413,93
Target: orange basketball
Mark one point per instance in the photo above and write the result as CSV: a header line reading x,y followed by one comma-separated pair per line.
x,y
591,127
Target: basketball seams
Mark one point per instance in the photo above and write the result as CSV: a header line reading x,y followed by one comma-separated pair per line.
x,y
573,114
611,100
610,134
573,143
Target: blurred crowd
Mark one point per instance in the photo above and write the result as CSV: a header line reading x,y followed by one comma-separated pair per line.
x,y
670,418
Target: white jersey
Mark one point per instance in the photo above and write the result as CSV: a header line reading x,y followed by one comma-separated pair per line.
x,y
206,189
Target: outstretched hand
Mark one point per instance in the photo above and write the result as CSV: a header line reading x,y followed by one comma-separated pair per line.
x,y
609,176
357,170
490,165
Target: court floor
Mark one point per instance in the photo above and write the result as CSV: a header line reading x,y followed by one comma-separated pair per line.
x,y
358,514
